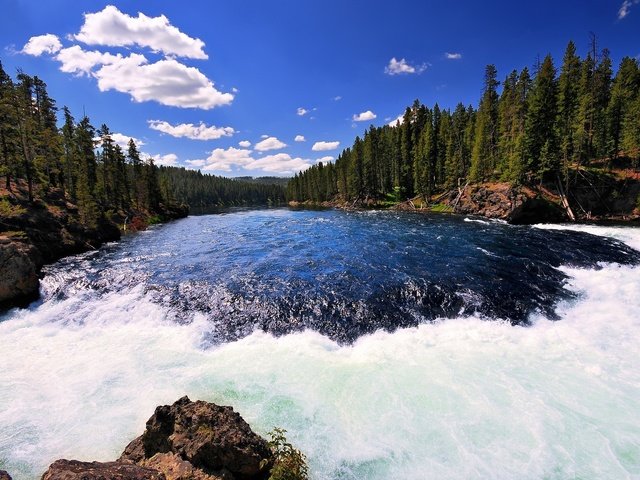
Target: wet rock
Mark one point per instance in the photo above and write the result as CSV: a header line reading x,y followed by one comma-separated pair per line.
x,y
505,202
76,470
4,475
175,468
18,272
208,436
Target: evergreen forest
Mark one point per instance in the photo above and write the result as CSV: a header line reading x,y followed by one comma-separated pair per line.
x,y
536,127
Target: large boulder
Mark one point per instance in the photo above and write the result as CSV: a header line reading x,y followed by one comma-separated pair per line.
x,y
4,475
76,470
209,437
18,272
175,468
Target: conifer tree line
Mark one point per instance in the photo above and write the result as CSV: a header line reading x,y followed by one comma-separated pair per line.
x,y
92,171
539,127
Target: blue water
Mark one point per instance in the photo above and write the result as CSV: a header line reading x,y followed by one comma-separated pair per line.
x,y
341,274
389,346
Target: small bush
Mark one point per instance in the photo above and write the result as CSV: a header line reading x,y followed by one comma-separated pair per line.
x,y
289,463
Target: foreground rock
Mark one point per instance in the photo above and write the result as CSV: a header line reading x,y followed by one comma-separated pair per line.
x,y
184,441
211,438
75,470
18,271
4,475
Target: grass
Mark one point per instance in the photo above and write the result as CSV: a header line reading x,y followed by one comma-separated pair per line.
x,y
7,209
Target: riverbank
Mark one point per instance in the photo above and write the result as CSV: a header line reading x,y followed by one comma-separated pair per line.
x,y
33,234
597,197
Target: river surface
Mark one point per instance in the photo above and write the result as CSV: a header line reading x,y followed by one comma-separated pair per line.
x,y
390,346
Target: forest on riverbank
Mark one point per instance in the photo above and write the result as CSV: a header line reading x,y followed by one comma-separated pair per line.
x,y
563,129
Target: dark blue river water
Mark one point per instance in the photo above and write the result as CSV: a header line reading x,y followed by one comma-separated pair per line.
x,y
341,274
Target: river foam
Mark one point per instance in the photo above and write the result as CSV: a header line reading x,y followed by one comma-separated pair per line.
x,y
460,398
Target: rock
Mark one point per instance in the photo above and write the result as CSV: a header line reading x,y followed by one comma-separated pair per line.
x,y
4,475
76,470
208,436
515,205
175,468
18,272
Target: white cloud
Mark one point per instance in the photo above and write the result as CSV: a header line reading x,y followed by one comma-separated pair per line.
x,y
280,163
269,143
324,146
111,27
364,116
326,159
40,44
222,160
165,81
195,163
302,111
299,138
453,56
189,130
337,98
397,67
626,7
122,140
264,136
399,118
168,160
230,159
76,60
245,143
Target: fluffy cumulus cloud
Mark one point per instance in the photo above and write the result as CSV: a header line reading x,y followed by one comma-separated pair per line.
x,y
122,140
400,67
299,138
40,44
226,160
325,146
195,163
110,27
302,111
453,56
168,160
245,143
326,159
626,7
280,163
364,116
269,143
399,118
189,130
166,81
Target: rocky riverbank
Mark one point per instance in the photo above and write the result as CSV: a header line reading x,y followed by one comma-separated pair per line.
x,y
33,234
187,441
613,197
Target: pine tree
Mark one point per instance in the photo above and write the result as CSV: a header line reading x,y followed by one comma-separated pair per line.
x,y
485,148
626,86
568,108
540,128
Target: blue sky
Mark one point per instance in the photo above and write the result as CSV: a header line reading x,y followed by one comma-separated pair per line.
x,y
227,86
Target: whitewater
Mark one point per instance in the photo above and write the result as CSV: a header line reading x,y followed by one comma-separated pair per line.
x,y
455,398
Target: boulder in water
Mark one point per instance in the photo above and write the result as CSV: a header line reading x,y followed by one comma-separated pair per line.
x,y
4,475
210,437
76,470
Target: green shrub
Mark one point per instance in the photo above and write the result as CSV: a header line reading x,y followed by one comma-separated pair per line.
x,y
289,462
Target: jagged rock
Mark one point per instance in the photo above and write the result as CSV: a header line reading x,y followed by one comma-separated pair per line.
x,y
208,436
502,201
175,468
18,272
4,475
76,470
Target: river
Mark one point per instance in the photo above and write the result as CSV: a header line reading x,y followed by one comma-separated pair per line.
x,y
389,345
